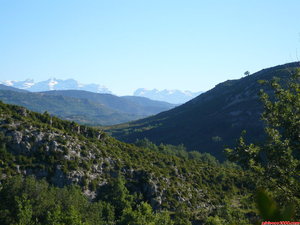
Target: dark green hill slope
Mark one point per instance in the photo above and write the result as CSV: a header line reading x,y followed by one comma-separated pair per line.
x,y
66,153
76,109
85,107
212,120
128,104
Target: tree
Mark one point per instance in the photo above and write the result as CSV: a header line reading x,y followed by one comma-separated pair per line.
x,y
277,160
24,215
247,73
117,195
144,215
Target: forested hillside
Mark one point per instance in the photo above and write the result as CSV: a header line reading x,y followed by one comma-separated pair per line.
x,y
84,107
212,121
125,182
131,105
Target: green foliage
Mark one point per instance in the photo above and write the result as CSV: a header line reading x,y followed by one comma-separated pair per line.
x,y
269,209
144,215
179,151
117,195
215,220
24,211
277,160
185,186
27,204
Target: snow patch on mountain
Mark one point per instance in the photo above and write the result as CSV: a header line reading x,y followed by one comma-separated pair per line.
x,y
52,83
7,82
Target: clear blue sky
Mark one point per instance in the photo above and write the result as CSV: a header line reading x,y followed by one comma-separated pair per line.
x,y
126,44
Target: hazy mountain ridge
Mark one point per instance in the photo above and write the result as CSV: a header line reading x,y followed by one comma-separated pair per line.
x,y
55,84
172,96
84,107
126,104
211,121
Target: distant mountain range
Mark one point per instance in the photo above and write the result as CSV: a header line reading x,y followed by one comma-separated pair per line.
x,y
84,107
55,84
172,96
211,121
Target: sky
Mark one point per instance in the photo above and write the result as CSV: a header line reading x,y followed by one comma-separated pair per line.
x,y
129,44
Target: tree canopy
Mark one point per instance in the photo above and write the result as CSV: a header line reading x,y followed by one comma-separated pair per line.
x,y
276,161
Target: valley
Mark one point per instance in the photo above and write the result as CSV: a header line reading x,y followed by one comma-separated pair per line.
x,y
149,112
212,121
85,107
158,176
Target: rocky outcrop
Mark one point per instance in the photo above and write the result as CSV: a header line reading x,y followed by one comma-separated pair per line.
x,y
67,153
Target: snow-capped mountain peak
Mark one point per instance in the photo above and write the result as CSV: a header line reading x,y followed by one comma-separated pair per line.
x,y
52,83
28,83
7,82
19,84
55,84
